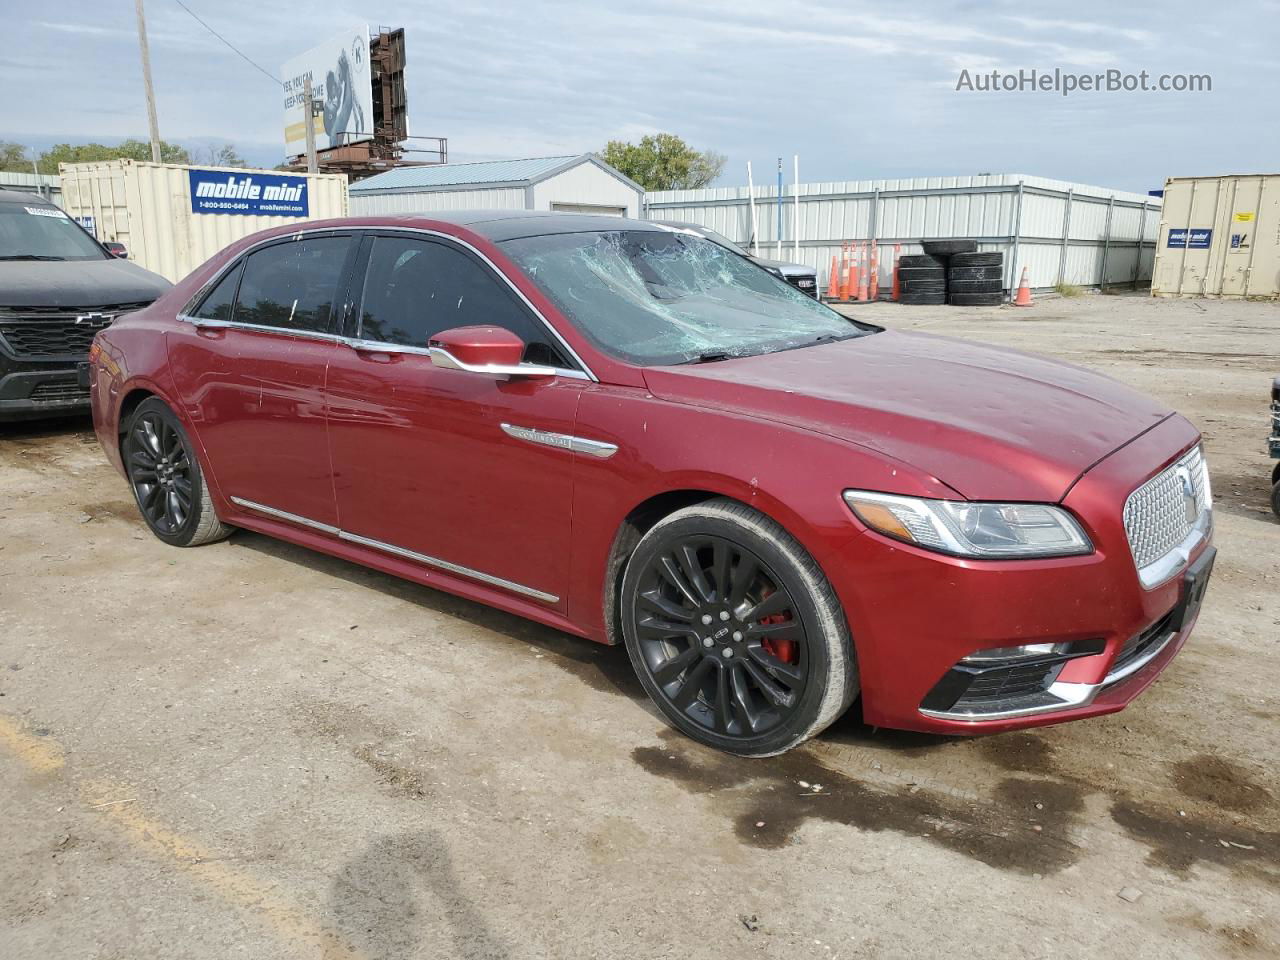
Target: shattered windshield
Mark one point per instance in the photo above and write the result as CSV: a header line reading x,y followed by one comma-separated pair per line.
x,y
654,297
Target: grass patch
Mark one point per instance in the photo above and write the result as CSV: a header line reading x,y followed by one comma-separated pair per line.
x,y
1068,290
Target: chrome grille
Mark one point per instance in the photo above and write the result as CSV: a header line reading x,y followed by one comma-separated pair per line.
x,y
1167,510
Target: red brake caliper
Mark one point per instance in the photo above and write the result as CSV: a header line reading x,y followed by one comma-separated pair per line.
x,y
784,650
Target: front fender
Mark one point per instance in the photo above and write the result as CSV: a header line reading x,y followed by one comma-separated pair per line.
x,y
793,475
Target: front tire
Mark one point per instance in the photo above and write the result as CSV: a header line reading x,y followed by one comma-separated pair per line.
x,y
1275,499
734,631
168,484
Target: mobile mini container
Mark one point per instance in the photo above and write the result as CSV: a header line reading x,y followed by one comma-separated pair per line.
x,y
172,218
1219,237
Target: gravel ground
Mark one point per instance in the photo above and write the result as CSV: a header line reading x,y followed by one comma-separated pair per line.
x,y
249,750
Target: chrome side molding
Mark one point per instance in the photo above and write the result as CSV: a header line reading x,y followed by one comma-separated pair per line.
x,y
413,555
562,441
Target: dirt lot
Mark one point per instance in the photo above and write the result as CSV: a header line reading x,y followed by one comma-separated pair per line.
x,y
248,750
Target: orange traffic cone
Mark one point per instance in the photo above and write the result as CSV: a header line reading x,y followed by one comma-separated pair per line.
x,y
833,281
846,276
897,289
873,288
1023,298
862,273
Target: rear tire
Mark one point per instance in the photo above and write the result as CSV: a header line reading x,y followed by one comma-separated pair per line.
x,y
168,483
734,631
948,248
977,299
1275,499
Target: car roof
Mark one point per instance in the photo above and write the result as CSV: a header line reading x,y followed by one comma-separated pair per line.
x,y
499,225
19,196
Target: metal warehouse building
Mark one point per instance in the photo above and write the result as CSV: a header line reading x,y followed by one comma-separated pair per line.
x,y
1062,232
583,184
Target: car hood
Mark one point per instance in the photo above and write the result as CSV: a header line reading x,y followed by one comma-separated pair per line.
x,y
991,423
76,283
788,269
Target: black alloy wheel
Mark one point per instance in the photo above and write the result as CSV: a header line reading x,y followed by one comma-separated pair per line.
x,y
160,471
721,637
734,632
168,484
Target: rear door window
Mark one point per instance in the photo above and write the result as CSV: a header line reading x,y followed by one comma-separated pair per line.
x,y
292,286
221,300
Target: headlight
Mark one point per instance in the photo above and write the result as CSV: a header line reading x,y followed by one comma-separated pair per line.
x,y
967,529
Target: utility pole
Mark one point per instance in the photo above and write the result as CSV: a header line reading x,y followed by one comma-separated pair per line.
x,y
152,122
309,109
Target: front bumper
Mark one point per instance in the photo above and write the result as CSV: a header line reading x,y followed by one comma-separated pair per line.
x,y
915,615
49,390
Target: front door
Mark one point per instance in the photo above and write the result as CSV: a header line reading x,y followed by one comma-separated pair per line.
x,y
253,361
437,465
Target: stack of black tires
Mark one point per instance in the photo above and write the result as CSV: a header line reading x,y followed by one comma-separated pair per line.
x,y
952,271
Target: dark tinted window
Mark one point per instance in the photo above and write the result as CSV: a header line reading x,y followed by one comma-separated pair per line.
x,y
416,288
217,305
292,285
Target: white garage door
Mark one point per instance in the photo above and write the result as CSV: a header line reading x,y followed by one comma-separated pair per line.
x,y
596,208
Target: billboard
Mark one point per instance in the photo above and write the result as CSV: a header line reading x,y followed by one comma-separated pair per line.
x,y
341,79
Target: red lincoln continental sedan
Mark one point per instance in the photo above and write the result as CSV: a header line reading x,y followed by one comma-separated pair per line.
x,y
630,433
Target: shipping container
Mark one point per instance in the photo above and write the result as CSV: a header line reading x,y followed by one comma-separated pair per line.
x,y
173,218
1063,233
1219,237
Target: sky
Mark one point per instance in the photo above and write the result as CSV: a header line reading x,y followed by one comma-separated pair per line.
x,y
857,90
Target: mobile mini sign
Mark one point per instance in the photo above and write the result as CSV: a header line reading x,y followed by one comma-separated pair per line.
x,y
1192,239
248,194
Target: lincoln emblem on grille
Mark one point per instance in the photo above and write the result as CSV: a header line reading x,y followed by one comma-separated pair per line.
x,y
90,318
1188,494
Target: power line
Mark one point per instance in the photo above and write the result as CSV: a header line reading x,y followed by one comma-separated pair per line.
x,y
274,79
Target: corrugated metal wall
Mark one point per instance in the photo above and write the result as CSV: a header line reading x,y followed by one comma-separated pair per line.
x,y
47,186
147,207
421,201
1062,232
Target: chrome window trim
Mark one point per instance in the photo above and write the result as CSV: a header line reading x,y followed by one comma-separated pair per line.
x,y
422,558
258,328
363,230
562,441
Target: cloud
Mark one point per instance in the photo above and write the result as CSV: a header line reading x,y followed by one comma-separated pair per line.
x,y
859,91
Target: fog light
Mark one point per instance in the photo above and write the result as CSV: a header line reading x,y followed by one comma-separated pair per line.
x,y
1028,651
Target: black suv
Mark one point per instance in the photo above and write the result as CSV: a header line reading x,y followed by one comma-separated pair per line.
x,y
58,287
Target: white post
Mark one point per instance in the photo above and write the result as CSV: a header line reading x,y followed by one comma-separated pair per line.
x,y
309,115
751,199
795,209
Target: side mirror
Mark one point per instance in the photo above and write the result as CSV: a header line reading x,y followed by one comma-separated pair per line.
x,y
493,351
117,250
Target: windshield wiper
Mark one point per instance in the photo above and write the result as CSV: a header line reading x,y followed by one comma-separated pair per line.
x,y
710,357
28,256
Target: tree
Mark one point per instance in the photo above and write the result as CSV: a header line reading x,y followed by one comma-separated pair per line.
x,y
664,162
91,152
14,157
225,155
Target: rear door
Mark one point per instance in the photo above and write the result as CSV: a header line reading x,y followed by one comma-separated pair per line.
x,y
250,368
436,465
